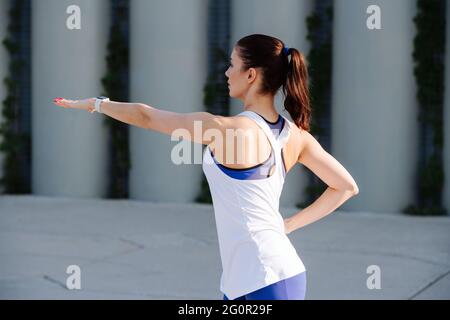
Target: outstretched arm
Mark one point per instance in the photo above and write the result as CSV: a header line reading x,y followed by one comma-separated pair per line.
x,y
147,117
341,185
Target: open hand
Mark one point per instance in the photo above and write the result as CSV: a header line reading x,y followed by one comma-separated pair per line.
x,y
85,104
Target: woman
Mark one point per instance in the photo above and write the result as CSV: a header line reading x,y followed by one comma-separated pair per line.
x,y
258,260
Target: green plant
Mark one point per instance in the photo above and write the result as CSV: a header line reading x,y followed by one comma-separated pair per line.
x,y
428,55
319,68
115,84
15,144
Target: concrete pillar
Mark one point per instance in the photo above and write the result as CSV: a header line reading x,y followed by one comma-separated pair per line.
x,y
374,114
168,71
4,66
69,146
286,20
446,122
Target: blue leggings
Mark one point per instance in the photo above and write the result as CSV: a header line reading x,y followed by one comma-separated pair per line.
x,y
293,288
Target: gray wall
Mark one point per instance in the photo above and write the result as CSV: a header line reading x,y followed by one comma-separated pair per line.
x,y
374,111
69,146
168,71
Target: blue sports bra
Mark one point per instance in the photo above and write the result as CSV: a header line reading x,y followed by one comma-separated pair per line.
x,y
260,170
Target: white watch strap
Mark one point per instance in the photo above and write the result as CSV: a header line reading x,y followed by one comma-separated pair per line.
x,y
98,102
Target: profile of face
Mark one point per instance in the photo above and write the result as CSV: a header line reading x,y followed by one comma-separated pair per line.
x,y
239,82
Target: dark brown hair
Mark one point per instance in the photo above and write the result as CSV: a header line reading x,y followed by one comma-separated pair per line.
x,y
266,52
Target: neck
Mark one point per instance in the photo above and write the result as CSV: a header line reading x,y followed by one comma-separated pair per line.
x,y
262,105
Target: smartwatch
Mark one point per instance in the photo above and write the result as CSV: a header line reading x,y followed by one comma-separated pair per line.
x,y
98,101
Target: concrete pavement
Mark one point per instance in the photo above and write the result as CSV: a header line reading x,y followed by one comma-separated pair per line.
x,y
130,249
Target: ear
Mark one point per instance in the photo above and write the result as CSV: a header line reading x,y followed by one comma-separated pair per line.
x,y
251,75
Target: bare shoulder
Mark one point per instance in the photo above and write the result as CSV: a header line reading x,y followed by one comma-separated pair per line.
x,y
241,120
296,141
235,122
299,140
308,144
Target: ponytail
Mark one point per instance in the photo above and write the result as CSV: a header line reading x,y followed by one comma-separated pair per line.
x,y
296,90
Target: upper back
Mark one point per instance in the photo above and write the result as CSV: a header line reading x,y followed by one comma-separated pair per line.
x,y
237,155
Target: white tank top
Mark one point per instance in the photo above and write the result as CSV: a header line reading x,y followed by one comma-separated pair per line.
x,y
254,249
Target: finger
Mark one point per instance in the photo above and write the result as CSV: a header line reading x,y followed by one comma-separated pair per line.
x,y
57,101
63,102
